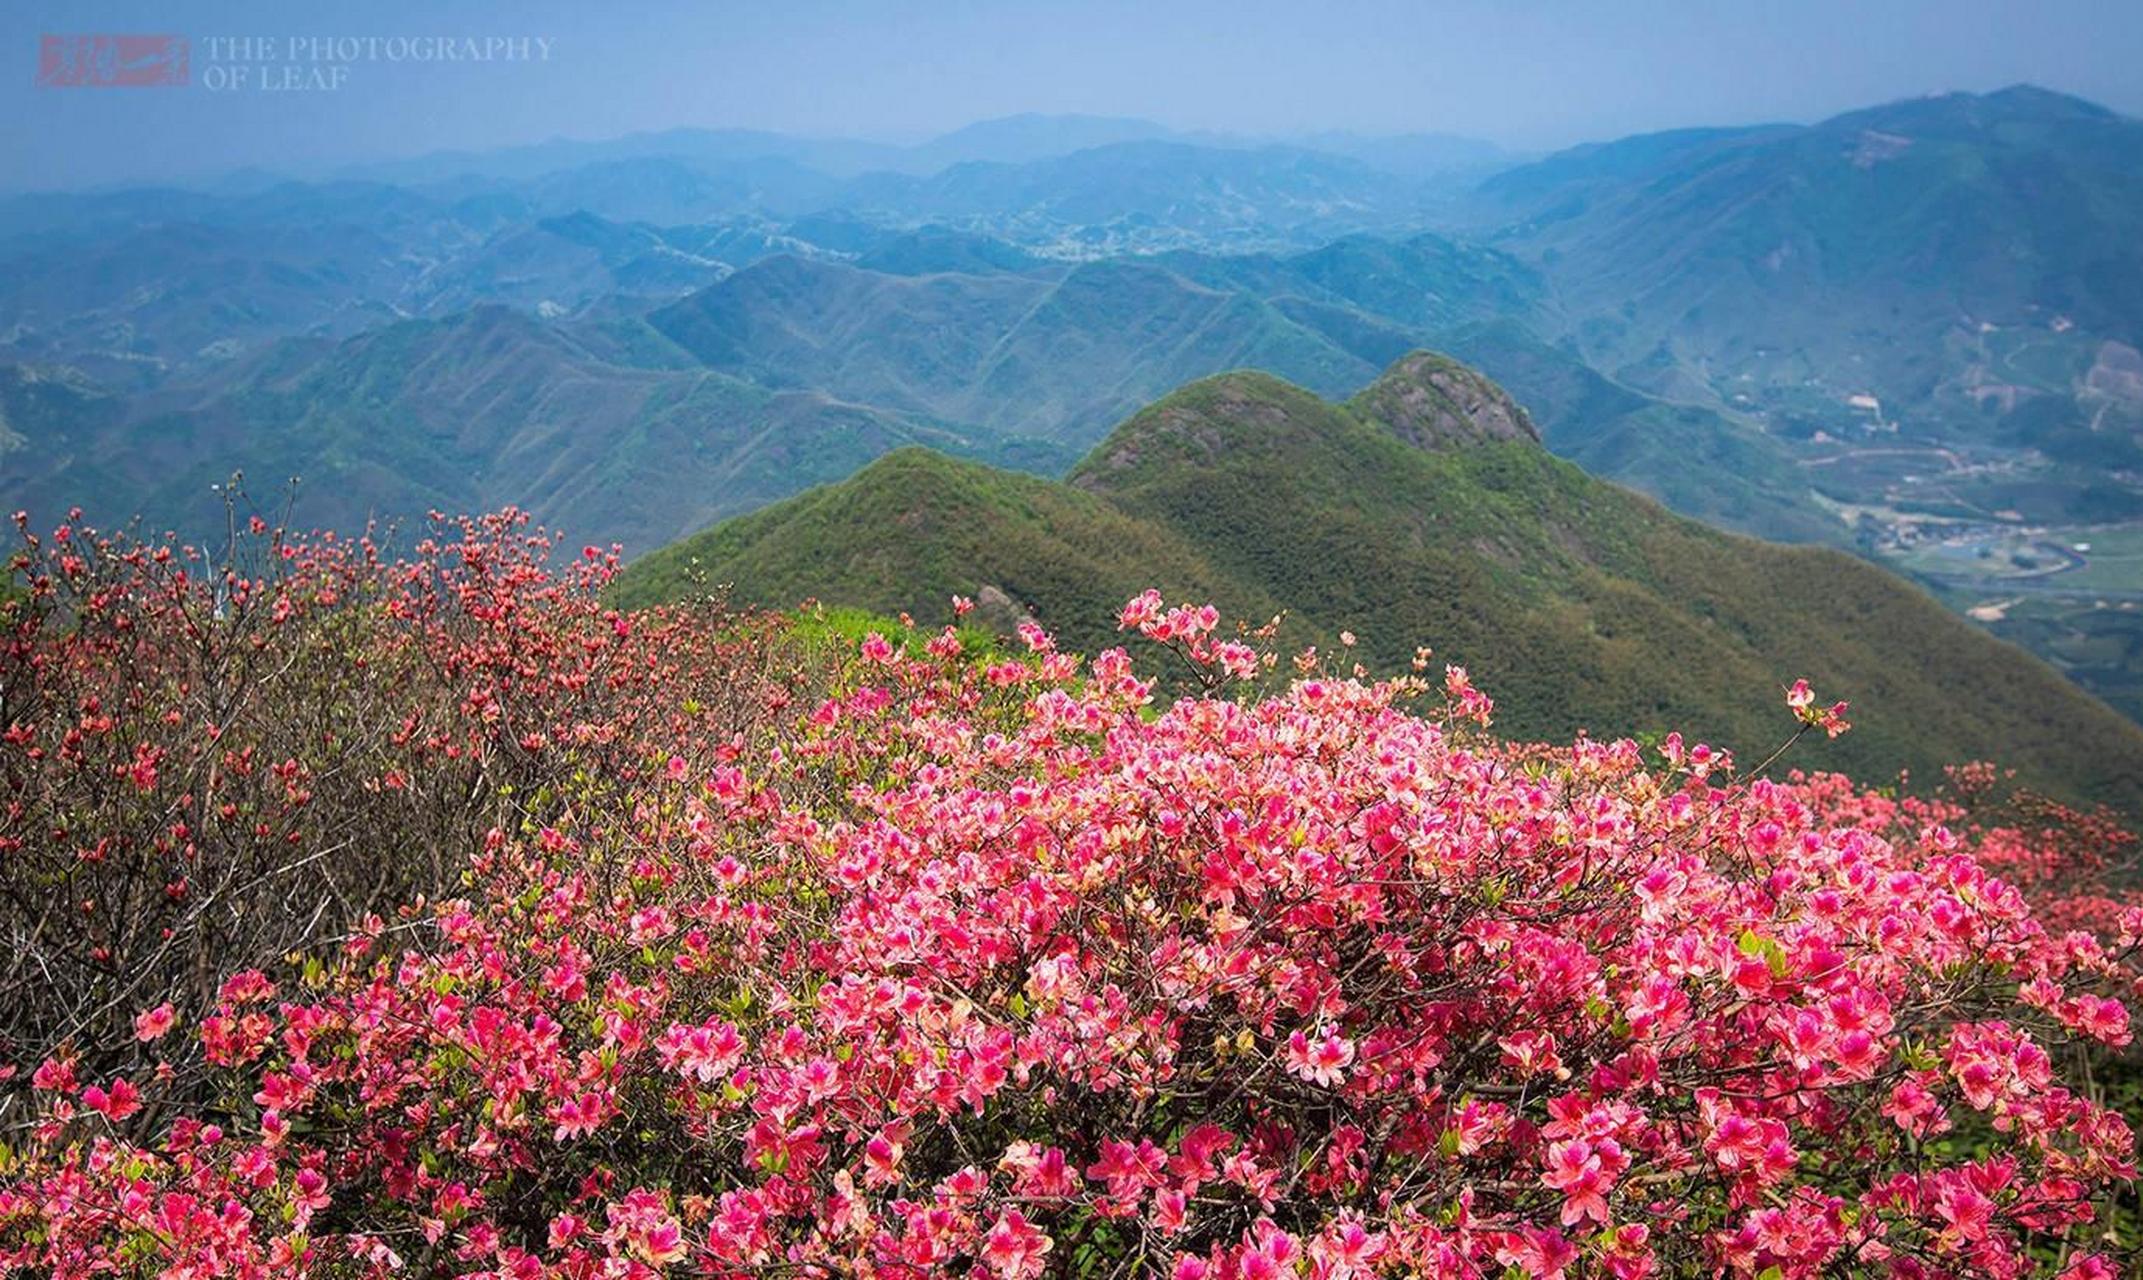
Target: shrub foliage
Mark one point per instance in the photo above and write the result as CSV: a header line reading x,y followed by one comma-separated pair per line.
x,y
628,944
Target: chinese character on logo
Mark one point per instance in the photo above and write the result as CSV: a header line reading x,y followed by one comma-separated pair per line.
x,y
111,61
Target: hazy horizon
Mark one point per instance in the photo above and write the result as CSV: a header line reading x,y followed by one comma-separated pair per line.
x,y
1529,77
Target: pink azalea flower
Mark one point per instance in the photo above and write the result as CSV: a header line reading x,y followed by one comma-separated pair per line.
x,y
153,1024
1323,1060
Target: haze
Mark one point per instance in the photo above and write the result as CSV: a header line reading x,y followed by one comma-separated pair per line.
x,y
1526,74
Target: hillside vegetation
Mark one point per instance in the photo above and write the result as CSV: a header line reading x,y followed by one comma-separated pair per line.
x,y
1423,511
520,934
1964,258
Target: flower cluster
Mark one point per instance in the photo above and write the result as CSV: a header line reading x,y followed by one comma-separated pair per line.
x,y
986,965
1801,700
212,759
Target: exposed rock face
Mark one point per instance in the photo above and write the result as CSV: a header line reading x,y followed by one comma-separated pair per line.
x,y
1435,402
998,611
1429,400
1202,423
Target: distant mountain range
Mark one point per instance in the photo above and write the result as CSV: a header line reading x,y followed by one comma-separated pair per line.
x,y
640,425
1424,511
1015,139
1972,263
1912,330
603,428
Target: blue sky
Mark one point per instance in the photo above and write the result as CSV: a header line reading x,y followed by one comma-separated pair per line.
x,y
1531,74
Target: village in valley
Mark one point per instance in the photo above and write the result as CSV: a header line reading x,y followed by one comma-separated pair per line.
x,y
2019,535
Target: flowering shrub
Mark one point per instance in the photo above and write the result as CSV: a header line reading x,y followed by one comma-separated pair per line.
x,y
208,763
999,967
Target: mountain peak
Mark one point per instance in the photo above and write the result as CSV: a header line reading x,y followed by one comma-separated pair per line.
x,y
1425,399
1225,415
1031,136
2032,97
1434,402
1969,113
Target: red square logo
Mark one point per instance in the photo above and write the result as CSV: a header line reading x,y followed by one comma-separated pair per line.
x,y
107,61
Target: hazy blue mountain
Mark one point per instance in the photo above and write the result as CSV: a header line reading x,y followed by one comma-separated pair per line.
x,y
953,329
932,335
1014,139
141,304
1425,282
1149,195
147,286
670,191
175,300
833,156
1412,155
1061,354
604,429
1959,258
1021,138
935,250
1010,139
931,324
556,266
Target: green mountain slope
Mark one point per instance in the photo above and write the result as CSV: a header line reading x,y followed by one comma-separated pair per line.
x,y
1061,354
1960,257
607,432
1933,309
1695,460
939,328
1424,511
915,527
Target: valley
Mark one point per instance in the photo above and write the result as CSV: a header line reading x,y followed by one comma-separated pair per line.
x,y
2045,553
2072,594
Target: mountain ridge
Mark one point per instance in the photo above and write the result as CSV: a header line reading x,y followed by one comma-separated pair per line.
x,y
1579,604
